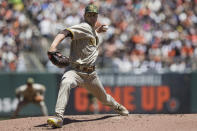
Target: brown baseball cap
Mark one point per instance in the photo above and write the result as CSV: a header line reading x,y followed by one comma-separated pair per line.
x,y
91,8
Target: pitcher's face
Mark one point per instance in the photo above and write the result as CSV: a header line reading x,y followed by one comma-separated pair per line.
x,y
91,18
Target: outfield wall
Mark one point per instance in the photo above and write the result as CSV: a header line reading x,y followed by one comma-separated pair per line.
x,y
10,81
144,93
140,93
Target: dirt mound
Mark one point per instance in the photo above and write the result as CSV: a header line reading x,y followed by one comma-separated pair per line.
x,y
107,122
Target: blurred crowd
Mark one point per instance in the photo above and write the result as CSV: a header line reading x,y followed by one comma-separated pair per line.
x,y
143,35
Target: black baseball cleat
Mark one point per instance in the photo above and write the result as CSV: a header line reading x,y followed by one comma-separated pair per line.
x,y
120,109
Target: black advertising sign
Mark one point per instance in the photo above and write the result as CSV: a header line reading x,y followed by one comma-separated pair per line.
x,y
155,93
180,89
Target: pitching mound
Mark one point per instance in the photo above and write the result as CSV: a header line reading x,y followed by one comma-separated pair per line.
x,y
107,122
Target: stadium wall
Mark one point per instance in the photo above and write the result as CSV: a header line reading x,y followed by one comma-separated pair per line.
x,y
10,81
140,93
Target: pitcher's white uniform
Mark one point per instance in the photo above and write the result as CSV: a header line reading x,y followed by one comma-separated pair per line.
x,y
83,54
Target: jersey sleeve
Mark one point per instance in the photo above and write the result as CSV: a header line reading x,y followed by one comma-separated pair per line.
x,y
39,88
78,31
20,90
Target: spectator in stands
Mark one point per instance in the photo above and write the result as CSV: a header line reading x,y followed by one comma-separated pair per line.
x,y
153,33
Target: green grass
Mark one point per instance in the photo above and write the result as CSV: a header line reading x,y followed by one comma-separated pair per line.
x,y
4,118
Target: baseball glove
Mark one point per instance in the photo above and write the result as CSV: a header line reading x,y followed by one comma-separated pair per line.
x,y
39,98
58,59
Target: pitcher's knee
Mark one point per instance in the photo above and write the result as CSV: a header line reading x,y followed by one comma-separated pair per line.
x,y
106,100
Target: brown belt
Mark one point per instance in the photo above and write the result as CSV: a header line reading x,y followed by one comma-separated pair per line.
x,y
87,69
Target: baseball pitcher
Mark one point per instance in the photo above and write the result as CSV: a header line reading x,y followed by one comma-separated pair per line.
x,y
31,93
81,64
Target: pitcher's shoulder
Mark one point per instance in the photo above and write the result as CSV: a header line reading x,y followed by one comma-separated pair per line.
x,y
83,24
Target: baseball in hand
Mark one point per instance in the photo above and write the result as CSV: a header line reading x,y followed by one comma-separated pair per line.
x,y
105,27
